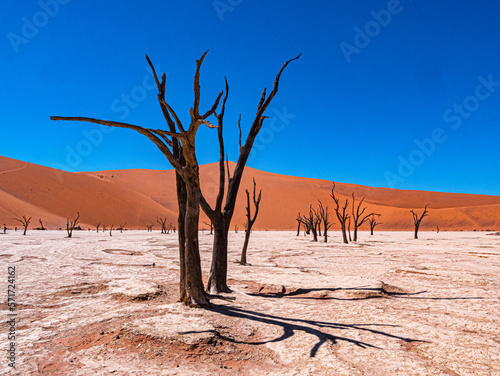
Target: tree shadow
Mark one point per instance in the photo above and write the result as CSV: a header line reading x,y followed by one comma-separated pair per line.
x,y
373,293
292,325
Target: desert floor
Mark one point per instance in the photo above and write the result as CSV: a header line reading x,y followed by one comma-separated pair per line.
x,y
387,305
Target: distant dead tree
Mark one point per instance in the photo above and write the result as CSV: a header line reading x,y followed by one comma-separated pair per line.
x,y
70,225
211,225
25,222
250,220
111,230
349,228
341,213
235,229
163,224
323,215
358,216
150,228
437,229
122,226
417,220
311,222
298,224
41,225
373,223
104,228
97,226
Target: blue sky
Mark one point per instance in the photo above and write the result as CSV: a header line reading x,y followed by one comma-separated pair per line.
x,y
400,94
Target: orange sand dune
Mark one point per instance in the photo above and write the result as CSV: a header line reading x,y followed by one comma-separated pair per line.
x,y
139,196
53,195
284,196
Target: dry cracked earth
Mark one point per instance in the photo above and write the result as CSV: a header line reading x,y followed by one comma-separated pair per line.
x,y
386,305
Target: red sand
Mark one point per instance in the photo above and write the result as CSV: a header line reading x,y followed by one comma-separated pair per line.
x,y
137,197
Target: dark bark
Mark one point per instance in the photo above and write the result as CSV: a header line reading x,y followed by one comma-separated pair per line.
x,y
417,220
70,225
221,215
311,222
25,222
250,221
373,223
341,214
358,215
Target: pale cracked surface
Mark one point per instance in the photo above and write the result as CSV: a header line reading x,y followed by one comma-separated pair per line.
x,y
388,305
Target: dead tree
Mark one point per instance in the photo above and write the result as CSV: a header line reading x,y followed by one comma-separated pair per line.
x,y
235,229
298,224
163,224
104,228
373,223
178,146
341,214
150,228
417,220
250,221
122,226
358,216
324,217
41,225
97,226
111,230
25,222
70,225
211,225
311,222
221,214
349,228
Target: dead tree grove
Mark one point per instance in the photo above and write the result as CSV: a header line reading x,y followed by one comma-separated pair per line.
x,y
417,220
311,222
250,221
342,216
70,225
178,145
25,222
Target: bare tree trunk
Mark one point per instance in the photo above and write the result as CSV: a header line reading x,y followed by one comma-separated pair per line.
x,y
181,235
344,235
194,285
217,281
250,220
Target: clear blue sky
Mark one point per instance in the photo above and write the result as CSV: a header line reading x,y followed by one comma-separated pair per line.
x,y
386,93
